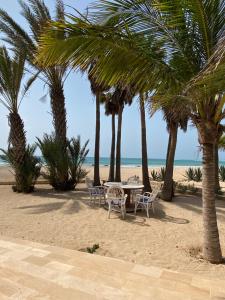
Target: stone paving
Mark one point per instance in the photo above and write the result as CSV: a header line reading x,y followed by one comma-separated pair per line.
x,y
30,270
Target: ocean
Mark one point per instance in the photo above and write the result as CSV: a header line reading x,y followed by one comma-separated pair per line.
x,y
135,162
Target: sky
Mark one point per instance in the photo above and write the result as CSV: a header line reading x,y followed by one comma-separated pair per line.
x,y
80,106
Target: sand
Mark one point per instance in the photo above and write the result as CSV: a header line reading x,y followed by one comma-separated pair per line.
x,y
168,239
6,174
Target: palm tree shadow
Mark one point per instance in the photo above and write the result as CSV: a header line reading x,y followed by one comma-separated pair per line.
x,y
70,201
194,204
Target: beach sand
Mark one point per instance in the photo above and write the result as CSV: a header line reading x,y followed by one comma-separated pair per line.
x,y
6,175
170,238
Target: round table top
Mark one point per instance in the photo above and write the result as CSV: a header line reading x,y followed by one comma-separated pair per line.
x,y
132,186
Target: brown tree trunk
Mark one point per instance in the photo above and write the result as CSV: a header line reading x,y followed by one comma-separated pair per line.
x,y
17,146
118,145
167,191
112,155
145,173
58,112
217,180
211,241
97,142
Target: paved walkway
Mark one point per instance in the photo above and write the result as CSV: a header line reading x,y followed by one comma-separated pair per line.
x,y
35,271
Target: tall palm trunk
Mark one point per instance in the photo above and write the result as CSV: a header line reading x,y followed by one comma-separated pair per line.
x,y
208,133
167,191
217,180
58,111
211,242
118,145
112,155
145,173
17,140
97,142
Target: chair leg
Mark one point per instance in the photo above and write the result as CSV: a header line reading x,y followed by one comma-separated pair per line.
x,y
123,212
135,207
109,211
153,207
147,211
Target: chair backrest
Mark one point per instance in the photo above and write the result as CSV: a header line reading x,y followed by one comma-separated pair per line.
x,y
134,179
154,195
89,182
115,193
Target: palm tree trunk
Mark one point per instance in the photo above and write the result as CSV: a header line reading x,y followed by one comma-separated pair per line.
x,y
17,146
217,180
211,242
112,155
58,112
167,191
118,145
145,173
97,142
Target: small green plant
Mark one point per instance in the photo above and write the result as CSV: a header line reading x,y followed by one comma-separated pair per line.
x,y
154,175
193,174
162,174
192,188
189,174
181,188
222,173
198,175
93,248
158,176
29,171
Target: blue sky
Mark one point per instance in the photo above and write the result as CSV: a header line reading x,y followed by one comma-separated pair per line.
x,y
80,107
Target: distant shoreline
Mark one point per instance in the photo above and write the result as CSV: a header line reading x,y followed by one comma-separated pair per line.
x,y
137,162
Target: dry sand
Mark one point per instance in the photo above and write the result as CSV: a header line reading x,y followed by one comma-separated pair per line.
x,y
67,219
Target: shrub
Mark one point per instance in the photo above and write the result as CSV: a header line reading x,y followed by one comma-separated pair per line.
x,y
162,173
181,188
192,188
154,175
194,174
92,249
189,174
63,164
222,173
29,171
158,176
198,175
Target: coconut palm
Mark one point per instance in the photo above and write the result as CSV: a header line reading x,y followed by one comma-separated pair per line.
x,y
37,16
12,72
121,97
97,89
111,109
145,172
175,116
192,37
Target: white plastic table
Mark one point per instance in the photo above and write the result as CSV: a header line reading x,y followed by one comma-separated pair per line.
x,y
127,190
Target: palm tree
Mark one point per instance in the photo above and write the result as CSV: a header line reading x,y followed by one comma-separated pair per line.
x,y
176,116
121,97
12,71
191,34
145,172
97,90
37,16
111,109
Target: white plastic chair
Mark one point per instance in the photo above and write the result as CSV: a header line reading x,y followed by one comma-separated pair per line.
x,y
116,200
133,180
95,192
146,201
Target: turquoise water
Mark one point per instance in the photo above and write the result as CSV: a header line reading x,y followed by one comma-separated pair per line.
x,y
134,162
